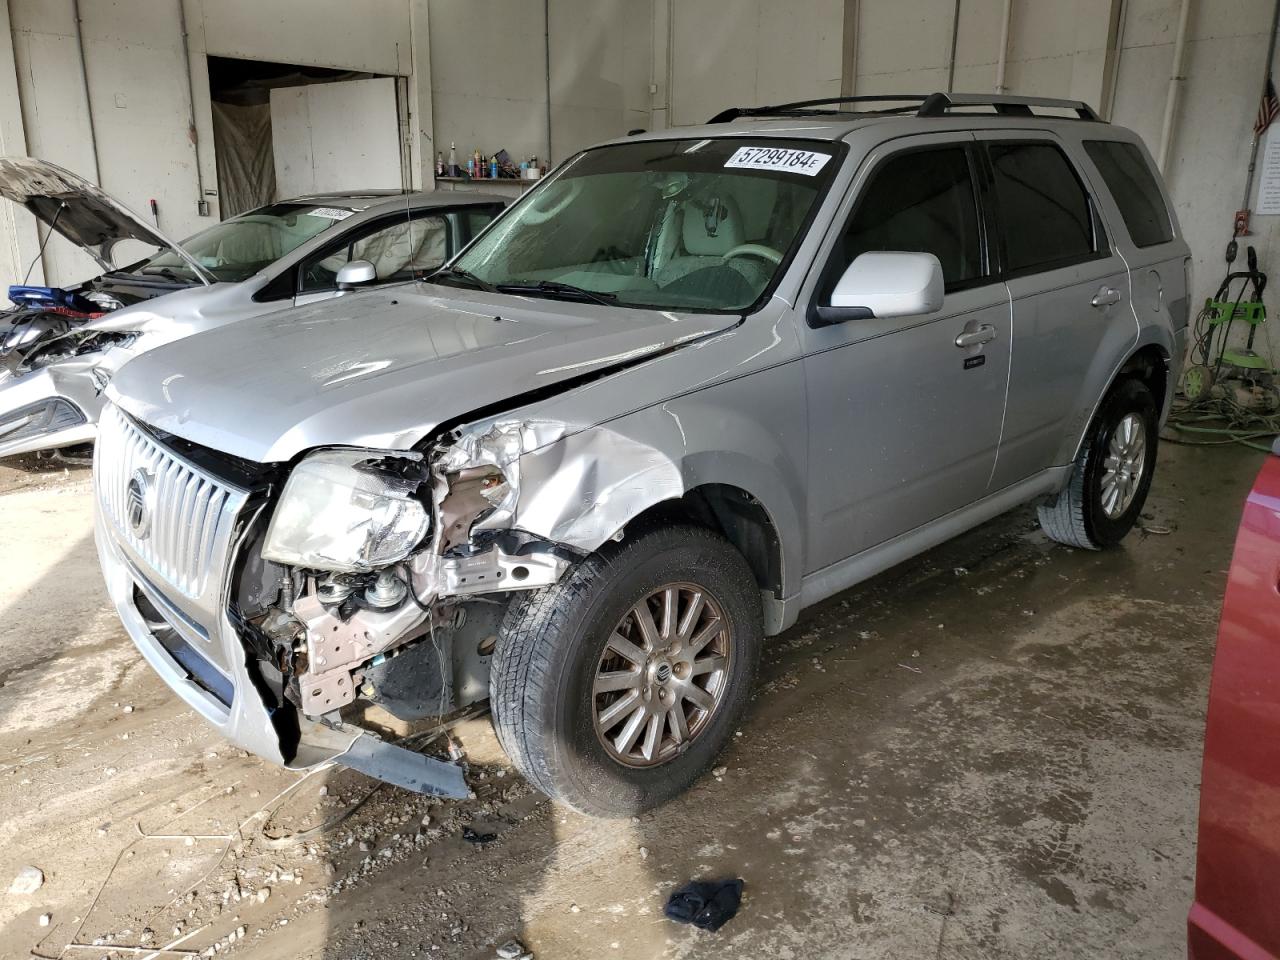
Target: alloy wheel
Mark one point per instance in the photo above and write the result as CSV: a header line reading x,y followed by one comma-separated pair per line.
x,y
1124,465
662,675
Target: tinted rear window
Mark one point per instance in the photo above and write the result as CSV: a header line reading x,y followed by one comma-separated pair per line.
x,y
1134,189
1044,210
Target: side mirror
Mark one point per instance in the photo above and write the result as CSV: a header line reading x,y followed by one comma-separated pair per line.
x,y
356,272
889,284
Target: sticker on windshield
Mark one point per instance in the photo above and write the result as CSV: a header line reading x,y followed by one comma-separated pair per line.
x,y
776,158
331,213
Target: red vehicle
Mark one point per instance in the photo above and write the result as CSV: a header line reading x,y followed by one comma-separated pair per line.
x,y
1236,914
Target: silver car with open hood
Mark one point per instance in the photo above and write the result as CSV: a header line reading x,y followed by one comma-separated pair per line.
x,y
690,384
60,346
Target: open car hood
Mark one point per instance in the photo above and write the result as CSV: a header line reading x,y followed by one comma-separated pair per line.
x,y
87,216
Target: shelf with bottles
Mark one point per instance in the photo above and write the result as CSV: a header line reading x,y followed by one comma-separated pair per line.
x,y
479,168
503,185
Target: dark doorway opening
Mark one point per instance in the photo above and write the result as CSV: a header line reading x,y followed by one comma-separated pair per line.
x,y
240,91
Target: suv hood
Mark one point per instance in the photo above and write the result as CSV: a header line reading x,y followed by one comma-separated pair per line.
x,y
382,368
87,216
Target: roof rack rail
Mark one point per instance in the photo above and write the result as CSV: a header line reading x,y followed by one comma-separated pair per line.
x,y
922,105
910,101
938,104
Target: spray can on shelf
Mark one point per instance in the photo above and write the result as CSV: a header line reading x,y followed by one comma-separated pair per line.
x,y
493,167
453,160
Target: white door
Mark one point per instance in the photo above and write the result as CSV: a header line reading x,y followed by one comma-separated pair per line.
x,y
336,136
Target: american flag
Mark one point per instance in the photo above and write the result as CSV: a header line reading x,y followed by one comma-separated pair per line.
x,y
1268,109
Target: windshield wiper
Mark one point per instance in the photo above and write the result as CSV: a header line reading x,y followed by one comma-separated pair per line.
x,y
146,275
555,287
161,272
465,275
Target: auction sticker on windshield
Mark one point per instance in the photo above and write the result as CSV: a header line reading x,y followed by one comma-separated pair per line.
x,y
331,213
777,158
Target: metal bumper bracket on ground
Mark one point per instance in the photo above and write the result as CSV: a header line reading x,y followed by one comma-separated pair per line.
x,y
405,768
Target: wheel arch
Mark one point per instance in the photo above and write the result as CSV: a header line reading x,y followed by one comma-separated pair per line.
x,y
738,516
1151,362
701,458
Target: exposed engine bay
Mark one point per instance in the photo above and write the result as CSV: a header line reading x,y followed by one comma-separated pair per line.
x,y
407,618
44,325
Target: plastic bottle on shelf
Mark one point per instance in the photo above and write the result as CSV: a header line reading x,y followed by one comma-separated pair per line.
x,y
439,164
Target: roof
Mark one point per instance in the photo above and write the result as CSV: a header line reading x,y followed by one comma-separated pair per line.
x,y
835,118
394,199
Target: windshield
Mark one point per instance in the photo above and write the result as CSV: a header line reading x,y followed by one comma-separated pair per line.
x,y
700,225
236,249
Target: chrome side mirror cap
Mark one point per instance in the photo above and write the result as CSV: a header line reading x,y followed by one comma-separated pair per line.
x,y
356,272
885,284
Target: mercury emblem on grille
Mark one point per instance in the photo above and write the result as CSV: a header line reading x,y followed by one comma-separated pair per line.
x,y
138,499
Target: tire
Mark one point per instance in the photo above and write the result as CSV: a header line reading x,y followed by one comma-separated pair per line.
x,y
1087,513
552,647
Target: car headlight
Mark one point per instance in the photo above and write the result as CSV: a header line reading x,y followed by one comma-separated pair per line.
x,y
349,511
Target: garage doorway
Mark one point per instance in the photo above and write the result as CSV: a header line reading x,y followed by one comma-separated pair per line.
x,y
283,130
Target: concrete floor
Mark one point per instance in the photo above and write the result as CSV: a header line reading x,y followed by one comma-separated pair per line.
x,y
990,751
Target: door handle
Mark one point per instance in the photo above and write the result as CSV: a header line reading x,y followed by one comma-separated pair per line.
x,y
976,338
1105,297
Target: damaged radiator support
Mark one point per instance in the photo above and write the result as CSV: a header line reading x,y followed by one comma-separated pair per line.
x,y
487,536
457,562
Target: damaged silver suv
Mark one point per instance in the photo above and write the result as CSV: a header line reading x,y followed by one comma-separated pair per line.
x,y
694,382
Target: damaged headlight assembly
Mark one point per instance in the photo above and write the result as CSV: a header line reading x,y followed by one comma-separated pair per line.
x,y
349,511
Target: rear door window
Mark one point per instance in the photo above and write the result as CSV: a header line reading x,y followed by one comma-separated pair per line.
x,y
921,201
1134,189
1045,213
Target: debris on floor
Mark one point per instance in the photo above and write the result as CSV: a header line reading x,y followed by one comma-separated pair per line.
x,y
514,950
708,905
29,880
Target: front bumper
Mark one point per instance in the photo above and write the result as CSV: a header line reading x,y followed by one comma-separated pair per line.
x,y
170,588
48,409
203,664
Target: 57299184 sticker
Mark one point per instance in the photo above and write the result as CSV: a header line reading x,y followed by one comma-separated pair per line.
x,y
806,162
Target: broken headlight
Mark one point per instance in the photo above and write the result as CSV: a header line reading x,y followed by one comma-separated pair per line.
x,y
348,511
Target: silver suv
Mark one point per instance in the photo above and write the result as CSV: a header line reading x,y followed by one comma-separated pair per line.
x,y
694,382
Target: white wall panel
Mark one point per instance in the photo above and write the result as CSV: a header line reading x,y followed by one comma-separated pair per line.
x,y
488,80
335,136
54,112
1226,50
365,35
489,74
601,58
18,238
729,53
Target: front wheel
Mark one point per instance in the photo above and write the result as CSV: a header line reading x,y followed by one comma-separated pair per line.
x,y
1111,475
615,688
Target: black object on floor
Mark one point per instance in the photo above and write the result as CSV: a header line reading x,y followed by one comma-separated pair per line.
x,y
471,836
707,905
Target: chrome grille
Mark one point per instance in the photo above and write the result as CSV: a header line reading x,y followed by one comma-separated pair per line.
x,y
191,512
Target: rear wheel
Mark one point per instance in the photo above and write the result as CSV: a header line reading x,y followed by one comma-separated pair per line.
x,y
615,688
1112,474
